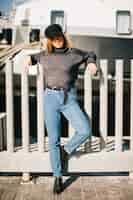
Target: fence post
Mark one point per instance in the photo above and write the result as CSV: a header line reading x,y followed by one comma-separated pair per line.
x,y
40,109
119,105
131,109
25,109
88,103
9,105
104,103
25,117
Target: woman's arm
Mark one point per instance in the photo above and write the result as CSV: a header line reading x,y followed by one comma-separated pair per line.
x,y
84,56
89,58
90,62
35,58
29,61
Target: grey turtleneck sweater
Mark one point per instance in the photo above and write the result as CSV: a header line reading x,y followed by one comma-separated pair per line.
x,y
61,66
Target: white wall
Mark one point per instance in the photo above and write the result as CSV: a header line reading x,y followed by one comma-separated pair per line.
x,y
96,13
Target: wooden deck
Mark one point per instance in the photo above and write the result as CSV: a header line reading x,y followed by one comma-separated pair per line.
x,y
76,187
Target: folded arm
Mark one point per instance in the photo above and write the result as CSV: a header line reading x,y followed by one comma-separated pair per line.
x,y
89,58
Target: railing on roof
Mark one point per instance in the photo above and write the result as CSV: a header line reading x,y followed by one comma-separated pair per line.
x,y
28,157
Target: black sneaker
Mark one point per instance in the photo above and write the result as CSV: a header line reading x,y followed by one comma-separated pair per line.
x,y
64,158
58,185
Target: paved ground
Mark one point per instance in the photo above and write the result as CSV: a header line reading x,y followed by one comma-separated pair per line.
x,y
76,187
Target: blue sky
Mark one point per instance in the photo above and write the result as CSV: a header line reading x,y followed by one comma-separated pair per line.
x,y
5,5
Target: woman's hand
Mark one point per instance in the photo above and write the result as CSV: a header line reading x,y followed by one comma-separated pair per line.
x,y
44,43
92,68
27,63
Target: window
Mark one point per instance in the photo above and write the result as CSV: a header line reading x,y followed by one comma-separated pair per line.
x,y
35,35
58,17
123,22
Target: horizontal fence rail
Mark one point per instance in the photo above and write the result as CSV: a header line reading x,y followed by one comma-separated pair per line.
x,y
30,153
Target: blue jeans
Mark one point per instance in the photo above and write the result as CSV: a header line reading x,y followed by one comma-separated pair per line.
x,y
53,107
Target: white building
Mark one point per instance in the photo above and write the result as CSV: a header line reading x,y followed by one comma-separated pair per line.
x,y
90,24
97,17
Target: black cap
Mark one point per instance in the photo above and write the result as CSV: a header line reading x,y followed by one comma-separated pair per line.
x,y
53,31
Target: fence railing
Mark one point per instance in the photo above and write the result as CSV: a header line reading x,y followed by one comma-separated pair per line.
x,y
26,158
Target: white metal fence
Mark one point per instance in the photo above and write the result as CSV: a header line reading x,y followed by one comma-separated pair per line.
x,y
35,157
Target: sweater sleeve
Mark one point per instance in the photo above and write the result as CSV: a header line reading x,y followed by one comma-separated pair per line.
x,y
85,56
89,57
35,58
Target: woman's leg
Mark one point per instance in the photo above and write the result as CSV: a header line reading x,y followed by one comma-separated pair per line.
x,y
53,126
79,122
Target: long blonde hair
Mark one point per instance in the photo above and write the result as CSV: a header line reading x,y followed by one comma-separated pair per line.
x,y
67,43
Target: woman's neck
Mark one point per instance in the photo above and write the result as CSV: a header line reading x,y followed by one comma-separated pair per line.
x,y
60,50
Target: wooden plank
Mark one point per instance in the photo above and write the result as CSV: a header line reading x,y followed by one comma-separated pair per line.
x,y
8,194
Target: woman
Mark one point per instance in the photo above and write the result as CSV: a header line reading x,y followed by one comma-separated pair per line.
x,y
60,64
